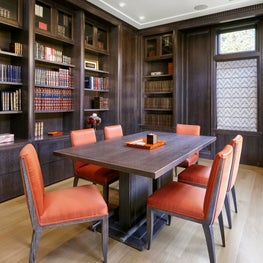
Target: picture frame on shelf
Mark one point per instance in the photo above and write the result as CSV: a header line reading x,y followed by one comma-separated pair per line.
x,y
91,64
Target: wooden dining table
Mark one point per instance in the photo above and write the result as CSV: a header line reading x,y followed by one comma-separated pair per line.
x,y
142,170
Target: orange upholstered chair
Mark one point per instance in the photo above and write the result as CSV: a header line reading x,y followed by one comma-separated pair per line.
x,y
200,205
189,130
91,172
112,131
61,207
199,175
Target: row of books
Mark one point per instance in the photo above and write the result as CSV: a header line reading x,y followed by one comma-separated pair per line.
x,y
96,83
4,12
39,129
11,100
47,99
10,73
16,47
164,120
50,54
158,103
47,77
159,86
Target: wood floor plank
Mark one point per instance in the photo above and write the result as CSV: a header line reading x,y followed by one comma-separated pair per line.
x,y
182,242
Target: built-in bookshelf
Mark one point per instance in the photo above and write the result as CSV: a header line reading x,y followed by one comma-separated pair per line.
x,y
54,69
158,93
11,59
97,76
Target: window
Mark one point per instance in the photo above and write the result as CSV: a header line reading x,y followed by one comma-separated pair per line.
x,y
237,80
236,94
237,41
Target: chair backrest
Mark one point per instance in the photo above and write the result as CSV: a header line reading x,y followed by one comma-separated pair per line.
x,y
188,129
82,137
112,131
237,144
217,183
32,181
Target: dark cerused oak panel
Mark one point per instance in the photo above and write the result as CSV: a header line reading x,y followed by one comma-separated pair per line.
x,y
116,155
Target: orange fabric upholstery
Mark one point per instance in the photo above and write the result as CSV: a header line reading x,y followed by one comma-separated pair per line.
x,y
97,174
179,198
29,155
201,205
82,137
60,207
196,174
91,172
189,130
113,131
199,175
238,141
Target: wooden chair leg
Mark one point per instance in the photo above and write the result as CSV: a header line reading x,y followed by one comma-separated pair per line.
x,y
150,215
106,193
169,219
233,190
105,238
209,236
34,244
228,210
75,181
221,226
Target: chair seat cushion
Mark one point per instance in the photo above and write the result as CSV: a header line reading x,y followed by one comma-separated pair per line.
x,y
189,161
83,201
196,174
178,198
98,174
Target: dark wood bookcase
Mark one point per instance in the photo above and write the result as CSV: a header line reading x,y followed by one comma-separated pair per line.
x,y
97,83
158,82
48,50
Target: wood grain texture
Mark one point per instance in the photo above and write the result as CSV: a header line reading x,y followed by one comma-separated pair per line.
x,y
114,154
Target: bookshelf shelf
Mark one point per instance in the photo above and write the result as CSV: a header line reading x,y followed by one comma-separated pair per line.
x,y
10,112
52,111
54,63
97,71
158,109
96,91
11,54
95,110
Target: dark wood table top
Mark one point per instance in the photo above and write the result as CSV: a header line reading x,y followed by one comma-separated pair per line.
x,y
115,154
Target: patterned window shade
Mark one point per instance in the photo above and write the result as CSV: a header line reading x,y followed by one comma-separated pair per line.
x,y
236,92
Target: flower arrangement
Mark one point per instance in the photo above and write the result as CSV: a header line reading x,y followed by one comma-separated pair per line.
x,y
94,120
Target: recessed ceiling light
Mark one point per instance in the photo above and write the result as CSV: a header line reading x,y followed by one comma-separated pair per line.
x,y
122,4
200,7
141,17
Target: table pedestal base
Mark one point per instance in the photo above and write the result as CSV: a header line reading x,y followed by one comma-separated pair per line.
x,y
137,235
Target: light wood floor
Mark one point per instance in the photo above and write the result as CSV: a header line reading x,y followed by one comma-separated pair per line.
x,y
182,242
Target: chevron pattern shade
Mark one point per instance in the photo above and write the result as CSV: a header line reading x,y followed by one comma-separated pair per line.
x,y
236,95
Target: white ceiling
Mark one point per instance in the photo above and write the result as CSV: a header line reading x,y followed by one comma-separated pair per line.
x,y
147,13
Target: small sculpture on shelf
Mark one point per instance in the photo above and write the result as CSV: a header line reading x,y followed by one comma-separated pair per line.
x,y
94,120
